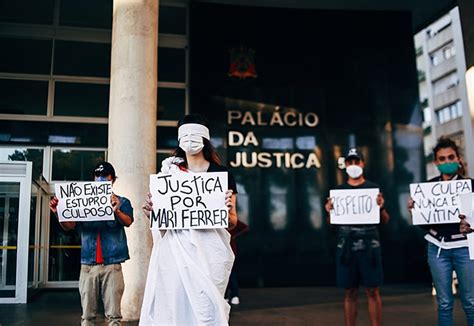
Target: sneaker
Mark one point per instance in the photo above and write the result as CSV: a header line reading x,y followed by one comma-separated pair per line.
x,y
235,300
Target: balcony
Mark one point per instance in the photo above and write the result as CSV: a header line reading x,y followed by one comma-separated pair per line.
x,y
451,127
440,39
443,68
445,98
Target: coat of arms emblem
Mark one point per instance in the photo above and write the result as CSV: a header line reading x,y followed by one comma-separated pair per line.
x,y
242,63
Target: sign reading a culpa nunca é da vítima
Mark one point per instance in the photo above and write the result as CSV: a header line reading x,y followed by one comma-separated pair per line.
x,y
84,201
189,201
354,206
437,202
289,118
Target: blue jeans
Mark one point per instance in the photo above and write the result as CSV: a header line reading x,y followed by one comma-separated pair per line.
x,y
442,267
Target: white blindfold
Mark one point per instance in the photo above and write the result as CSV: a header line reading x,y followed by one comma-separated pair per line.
x,y
194,129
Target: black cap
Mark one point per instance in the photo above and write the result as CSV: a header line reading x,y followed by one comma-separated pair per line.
x,y
104,169
353,153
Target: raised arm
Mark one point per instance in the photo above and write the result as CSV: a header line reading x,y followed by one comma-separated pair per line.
x,y
53,206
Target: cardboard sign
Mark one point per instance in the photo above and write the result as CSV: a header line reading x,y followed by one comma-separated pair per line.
x,y
84,201
437,202
467,209
189,201
355,206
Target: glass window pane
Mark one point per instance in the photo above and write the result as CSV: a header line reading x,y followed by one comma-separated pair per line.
x,y
86,13
53,133
75,165
64,253
167,137
171,65
24,154
81,100
23,97
160,157
171,103
27,11
172,20
9,208
82,59
25,56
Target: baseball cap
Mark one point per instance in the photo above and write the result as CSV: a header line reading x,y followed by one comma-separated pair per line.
x,y
104,169
354,153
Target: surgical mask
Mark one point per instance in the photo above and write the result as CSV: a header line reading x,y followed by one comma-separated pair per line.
x,y
101,178
448,168
354,171
191,144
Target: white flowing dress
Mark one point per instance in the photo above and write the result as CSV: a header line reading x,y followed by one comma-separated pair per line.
x,y
187,275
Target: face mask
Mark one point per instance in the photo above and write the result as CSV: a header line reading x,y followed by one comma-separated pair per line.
x,y
101,178
191,144
448,168
354,171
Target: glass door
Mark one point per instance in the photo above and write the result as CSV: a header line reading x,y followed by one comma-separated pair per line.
x,y
15,192
9,207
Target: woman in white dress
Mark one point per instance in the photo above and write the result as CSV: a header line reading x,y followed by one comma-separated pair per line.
x,y
189,269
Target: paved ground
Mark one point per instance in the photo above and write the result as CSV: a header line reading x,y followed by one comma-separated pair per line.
x,y
403,305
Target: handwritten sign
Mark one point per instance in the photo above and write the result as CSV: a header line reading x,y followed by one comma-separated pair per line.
x,y
189,201
437,202
467,209
84,201
355,206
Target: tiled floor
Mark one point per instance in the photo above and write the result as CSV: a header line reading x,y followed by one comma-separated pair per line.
x,y
402,305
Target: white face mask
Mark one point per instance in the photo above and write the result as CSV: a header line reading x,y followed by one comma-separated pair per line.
x,y
354,171
191,144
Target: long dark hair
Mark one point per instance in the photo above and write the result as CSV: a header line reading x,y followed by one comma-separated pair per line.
x,y
209,151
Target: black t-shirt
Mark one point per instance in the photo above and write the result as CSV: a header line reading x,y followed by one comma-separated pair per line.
x,y
230,178
358,231
448,229
366,185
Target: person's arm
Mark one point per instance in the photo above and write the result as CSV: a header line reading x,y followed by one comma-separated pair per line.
x,y
328,207
464,227
384,216
231,203
53,206
147,208
124,217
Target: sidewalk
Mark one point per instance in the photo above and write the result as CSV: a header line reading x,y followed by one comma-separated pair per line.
x,y
402,305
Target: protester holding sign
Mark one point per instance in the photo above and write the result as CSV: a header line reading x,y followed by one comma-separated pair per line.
x,y
447,246
358,255
189,268
103,249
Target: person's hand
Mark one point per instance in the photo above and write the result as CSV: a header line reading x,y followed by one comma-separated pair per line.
x,y
228,199
115,201
380,200
464,227
53,204
147,208
410,204
328,206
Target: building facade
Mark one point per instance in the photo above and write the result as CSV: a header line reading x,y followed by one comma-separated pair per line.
x,y
286,90
442,85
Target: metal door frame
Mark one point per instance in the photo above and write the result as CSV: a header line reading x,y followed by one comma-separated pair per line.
x,y
20,172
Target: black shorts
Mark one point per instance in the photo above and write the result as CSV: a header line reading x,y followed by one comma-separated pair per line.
x,y
364,268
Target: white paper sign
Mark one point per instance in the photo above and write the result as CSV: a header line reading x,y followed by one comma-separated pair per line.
x,y
84,201
437,202
467,209
189,201
355,206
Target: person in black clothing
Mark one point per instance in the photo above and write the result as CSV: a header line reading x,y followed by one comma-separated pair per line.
x,y
447,246
358,255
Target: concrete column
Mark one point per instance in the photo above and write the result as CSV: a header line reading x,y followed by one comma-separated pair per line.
x,y
466,15
132,130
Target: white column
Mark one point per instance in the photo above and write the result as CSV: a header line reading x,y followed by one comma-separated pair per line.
x,y
132,130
